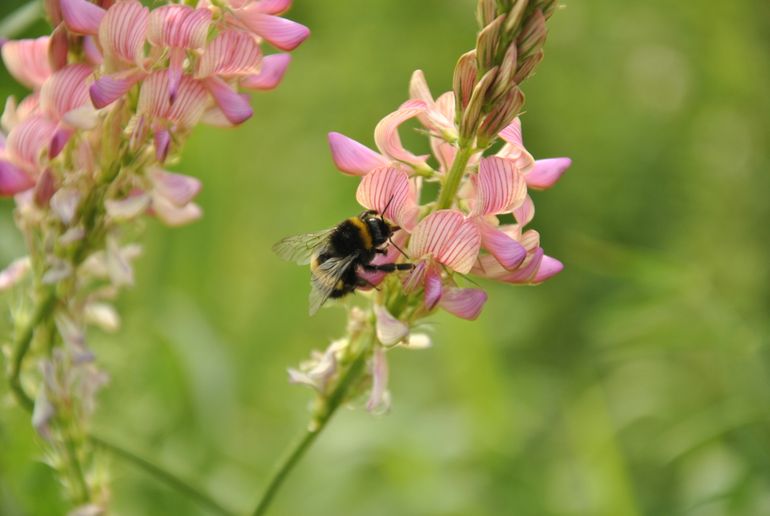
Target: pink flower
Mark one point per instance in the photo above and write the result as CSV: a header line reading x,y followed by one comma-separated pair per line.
x,y
540,174
27,61
260,17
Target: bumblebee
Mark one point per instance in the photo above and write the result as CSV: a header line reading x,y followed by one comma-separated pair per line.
x,y
337,255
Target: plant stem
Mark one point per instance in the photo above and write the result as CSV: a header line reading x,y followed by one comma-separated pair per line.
x,y
452,183
167,477
16,22
22,342
298,448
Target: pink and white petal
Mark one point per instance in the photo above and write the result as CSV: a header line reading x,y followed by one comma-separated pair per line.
x,y
432,232
549,267
128,208
352,157
190,104
528,270
172,215
234,105
109,88
512,133
389,187
445,104
546,172
85,117
27,61
81,16
460,252
418,88
433,288
58,47
162,140
390,330
123,31
179,189
505,249
500,187
176,57
92,52
271,6
415,279
28,139
13,180
232,52
64,203
214,117
378,398
445,153
14,272
272,70
59,141
65,90
179,26
465,303
525,212
386,133
279,32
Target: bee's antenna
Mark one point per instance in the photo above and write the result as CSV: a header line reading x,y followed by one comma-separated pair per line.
x,y
382,213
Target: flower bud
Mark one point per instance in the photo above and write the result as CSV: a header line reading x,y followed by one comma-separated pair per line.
x,y
464,80
485,12
504,80
487,43
515,16
471,116
502,114
527,66
532,36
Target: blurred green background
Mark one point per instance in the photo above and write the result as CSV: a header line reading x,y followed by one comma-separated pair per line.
x,y
633,383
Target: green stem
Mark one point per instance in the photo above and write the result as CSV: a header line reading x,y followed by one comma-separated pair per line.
x,y
169,478
455,175
298,448
42,311
16,22
83,493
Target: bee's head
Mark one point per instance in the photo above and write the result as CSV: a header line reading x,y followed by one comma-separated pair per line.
x,y
381,230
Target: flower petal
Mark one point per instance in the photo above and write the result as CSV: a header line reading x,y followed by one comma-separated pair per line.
x,y
235,106
109,88
549,267
449,238
162,140
505,249
13,180
177,188
389,187
390,330
500,188
272,6
81,16
352,157
547,172
64,203
464,302
91,51
27,61
65,90
178,26
270,74
188,107
433,288
279,32
59,140
525,213
172,215
128,208
528,270
14,272
386,133
378,399
232,52
123,30
27,141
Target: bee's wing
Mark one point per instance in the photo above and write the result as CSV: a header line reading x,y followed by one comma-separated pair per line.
x,y
301,248
325,277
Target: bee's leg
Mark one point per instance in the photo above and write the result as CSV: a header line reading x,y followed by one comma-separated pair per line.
x,y
388,267
381,251
363,282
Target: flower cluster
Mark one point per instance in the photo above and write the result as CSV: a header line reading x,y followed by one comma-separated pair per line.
x,y
478,224
116,89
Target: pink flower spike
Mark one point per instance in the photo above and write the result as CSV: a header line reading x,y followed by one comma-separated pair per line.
x,y
352,157
547,172
177,188
465,303
13,180
27,61
449,238
178,26
389,187
235,106
549,267
162,143
386,133
500,188
123,31
390,330
81,16
271,73
279,32
505,249
109,88
231,53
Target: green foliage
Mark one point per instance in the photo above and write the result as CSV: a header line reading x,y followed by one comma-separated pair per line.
x,y
634,383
